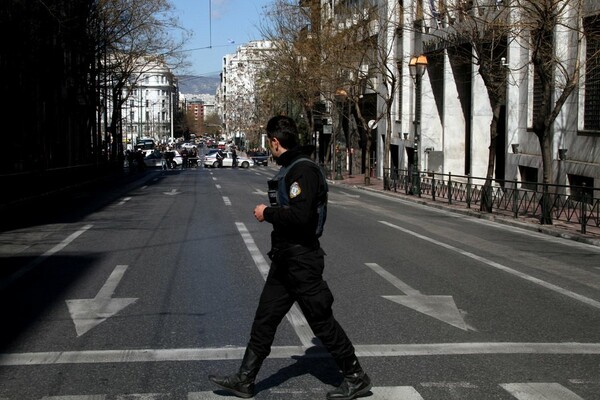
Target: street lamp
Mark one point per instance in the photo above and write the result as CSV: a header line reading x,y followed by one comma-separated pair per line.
x,y
417,66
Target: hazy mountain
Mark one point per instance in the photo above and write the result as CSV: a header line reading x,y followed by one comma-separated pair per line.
x,y
191,84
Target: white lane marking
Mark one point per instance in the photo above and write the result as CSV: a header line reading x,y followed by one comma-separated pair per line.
x,y
539,391
449,385
547,285
205,396
214,178
378,393
441,307
81,397
125,200
584,382
356,196
280,352
486,222
226,201
89,313
218,186
395,393
34,263
295,316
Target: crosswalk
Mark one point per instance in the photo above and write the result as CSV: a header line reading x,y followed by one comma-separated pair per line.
x,y
518,391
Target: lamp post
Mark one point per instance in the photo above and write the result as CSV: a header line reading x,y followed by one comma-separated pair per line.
x,y
417,66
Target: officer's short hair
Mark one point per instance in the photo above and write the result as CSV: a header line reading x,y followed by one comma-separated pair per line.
x,y
284,129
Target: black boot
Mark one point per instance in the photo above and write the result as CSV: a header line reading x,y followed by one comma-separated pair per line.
x,y
242,383
356,382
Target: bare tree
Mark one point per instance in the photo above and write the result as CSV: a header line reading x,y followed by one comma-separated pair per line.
x,y
133,35
556,68
477,34
290,81
370,34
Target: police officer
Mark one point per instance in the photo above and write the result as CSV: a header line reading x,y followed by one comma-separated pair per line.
x,y
298,196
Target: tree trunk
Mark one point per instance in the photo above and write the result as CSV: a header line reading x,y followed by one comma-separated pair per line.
x,y
545,140
487,203
386,151
368,158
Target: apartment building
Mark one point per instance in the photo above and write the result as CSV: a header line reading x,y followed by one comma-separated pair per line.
x,y
236,94
150,106
440,121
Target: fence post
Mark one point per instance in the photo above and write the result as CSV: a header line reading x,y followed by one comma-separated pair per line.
x,y
468,190
546,218
516,198
433,186
583,210
449,187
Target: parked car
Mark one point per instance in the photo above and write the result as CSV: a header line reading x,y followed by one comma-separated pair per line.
x,y
211,160
211,152
259,158
145,144
188,145
155,159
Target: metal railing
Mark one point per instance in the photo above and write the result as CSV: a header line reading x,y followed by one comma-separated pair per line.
x,y
573,204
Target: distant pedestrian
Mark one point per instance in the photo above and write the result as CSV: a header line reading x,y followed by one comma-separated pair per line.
x,y
234,157
220,157
139,158
184,158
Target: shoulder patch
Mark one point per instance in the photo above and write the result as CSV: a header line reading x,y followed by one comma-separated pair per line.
x,y
295,190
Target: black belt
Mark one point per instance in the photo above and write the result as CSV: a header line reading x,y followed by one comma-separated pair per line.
x,y
289,252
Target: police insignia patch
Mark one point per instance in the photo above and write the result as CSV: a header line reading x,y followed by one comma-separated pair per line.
x,y
295,190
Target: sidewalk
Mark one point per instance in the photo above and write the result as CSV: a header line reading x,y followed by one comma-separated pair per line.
x,y
561,229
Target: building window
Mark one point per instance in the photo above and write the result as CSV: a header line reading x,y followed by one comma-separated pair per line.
x,y
538,94
581,187
529,177
591,113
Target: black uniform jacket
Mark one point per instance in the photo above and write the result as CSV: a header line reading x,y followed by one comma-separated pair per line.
x,y
296,223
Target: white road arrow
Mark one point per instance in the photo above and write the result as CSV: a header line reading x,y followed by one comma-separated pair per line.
x,y
440,307
172,192
88,313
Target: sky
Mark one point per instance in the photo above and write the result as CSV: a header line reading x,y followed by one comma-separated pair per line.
x,y
218,28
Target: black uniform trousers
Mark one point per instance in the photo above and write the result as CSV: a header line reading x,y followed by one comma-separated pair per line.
x,y
298,279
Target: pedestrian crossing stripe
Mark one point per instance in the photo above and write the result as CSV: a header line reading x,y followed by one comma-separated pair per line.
x,y
520,391
539,391
378,393
278,352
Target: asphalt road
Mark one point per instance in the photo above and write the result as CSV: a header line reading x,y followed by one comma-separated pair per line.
x,y
144,295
